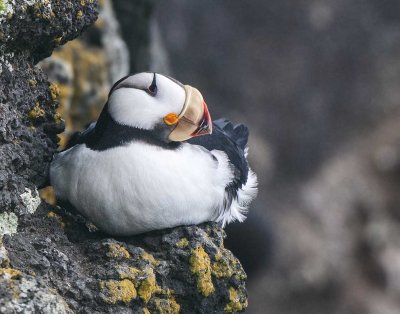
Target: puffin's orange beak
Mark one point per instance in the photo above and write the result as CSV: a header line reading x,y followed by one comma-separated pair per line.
x,y
194,119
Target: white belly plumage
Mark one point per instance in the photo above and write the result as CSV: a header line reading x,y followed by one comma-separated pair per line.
x,y
141,187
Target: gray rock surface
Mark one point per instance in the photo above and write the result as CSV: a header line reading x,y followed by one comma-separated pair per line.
x,y
184,270
24,294
28,124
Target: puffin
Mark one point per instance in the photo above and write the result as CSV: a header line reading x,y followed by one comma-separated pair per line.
x,y
154,160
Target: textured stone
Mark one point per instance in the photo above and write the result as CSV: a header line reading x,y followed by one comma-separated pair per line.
x,y
30,30
24,294
99,273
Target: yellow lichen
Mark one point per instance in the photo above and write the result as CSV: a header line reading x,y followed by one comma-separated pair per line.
x,y
57,118
128,272
182,243
166,306
32,83
144,280
47,194
43,11
36,112
83,3
54,91
118,291
150,258
234,305
146,311
10,272
148,286
79,14
57,40
57,217
221,267
200,265
117,251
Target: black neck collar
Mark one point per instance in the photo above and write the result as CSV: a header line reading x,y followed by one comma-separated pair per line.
x,y
108,134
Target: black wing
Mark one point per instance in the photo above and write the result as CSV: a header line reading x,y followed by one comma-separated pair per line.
x,y
233,141
81,137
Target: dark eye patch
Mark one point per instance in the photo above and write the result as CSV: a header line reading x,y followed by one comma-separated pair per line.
x,y
152,89
126,83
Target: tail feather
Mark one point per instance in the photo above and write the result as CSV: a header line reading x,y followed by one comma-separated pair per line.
x,y
238,133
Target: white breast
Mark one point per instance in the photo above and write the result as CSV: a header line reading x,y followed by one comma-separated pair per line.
x,y
141,187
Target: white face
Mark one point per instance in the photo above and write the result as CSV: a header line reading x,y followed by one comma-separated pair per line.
x,y
131,103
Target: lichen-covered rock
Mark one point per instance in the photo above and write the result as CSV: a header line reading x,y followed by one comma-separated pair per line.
x,y
180,270
21,293
38,26
29,30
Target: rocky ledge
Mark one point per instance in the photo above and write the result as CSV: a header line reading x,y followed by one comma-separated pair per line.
x,y
66,267
52,260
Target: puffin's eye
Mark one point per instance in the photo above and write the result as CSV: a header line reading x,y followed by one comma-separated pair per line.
x,y
152,89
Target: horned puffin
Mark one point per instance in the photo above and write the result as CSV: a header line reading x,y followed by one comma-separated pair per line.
x,y
155,160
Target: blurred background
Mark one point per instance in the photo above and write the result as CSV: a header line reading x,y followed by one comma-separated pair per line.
x,y
318,84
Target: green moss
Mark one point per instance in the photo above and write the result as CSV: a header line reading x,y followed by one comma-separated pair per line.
x,y
200,265
2,6
114,291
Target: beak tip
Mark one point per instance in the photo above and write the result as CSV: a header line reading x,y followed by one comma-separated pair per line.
x,y
205,125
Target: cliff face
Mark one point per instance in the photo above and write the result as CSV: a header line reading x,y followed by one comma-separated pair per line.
x,y
30,30
51,259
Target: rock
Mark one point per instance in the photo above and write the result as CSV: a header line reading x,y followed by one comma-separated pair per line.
x,y
51,259
21,293
28,124
185,269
